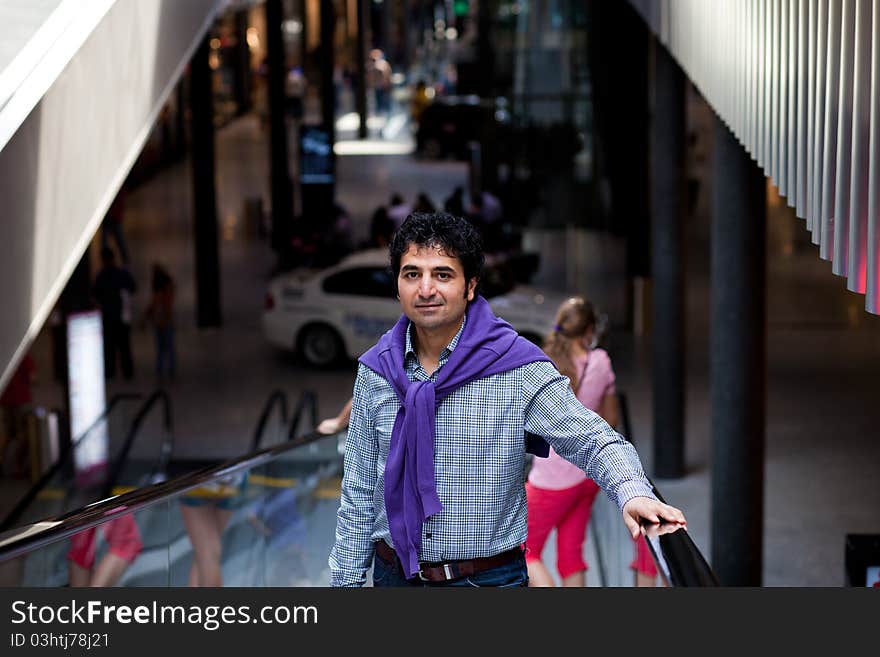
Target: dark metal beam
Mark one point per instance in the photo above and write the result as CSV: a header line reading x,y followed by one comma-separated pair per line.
x,y
207,257
668,263
738,361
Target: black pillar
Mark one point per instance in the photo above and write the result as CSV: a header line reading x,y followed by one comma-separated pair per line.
x,y
738,361
618,50
667,263
204,190
360,62
242,70
485,50
281,188
328,90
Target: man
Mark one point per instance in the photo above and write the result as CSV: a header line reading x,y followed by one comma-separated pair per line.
x,y
112,290
433,487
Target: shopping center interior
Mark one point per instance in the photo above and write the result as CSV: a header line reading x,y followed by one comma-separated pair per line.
x,y
226,220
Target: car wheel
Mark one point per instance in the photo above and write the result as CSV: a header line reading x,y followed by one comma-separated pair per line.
x,y
320,345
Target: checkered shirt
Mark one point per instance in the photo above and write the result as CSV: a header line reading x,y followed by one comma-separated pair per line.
x,y
479,454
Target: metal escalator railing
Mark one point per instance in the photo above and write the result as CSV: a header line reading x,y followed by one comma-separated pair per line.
x,y
307,402
678,560
275,504
160,469
31,538
277,399
66,453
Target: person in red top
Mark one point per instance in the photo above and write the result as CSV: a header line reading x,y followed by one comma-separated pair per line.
x,y
16,396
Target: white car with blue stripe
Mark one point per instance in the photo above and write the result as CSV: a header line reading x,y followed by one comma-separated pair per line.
x,y
342,310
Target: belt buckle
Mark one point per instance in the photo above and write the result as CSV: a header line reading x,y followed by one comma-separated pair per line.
x,y
447,573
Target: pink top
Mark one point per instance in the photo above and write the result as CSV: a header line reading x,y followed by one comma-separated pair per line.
x,y
554,472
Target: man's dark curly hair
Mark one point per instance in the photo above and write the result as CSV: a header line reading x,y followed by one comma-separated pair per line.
x,y
455,236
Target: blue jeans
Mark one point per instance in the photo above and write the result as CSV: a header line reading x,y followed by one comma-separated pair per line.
x,y
509,575
165,357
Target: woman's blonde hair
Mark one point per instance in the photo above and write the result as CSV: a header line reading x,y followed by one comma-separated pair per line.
x,y
573,319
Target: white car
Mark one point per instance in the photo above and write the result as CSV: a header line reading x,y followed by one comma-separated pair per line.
x,y
344,309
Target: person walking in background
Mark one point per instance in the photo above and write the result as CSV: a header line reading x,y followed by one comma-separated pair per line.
x,y
454,203
160,314
112,227
398,210
16,398
381,228
420,100
112,291
124,544
379,76
559,494
423,203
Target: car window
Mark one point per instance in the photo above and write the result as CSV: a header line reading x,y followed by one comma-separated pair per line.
x,y
361,281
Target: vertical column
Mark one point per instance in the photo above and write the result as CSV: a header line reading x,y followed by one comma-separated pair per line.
x,y
360,62
204,190
738,361
328,88
667,263
242,71
485,50
281,188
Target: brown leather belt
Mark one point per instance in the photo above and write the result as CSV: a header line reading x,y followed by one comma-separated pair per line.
x,y
445,571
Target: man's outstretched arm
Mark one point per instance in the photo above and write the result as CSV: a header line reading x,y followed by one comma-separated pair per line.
x,y
353,550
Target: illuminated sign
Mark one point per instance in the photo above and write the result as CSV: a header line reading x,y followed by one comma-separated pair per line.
x,y
85,367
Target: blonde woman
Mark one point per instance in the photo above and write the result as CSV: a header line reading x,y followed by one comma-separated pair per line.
x,y
559,494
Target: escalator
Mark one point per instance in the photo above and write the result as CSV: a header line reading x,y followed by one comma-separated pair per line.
x,y
280,527
282,499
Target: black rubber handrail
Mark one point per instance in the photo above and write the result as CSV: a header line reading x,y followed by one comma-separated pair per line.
x,y
66,452
22,540
307,400
678,559
276,398
165,448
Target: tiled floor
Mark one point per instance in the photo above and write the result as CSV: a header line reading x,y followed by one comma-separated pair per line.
x,y
823,448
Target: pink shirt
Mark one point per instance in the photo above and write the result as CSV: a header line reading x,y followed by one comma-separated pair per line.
x,y
554,472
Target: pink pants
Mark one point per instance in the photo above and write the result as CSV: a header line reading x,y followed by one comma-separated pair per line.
x,y
568,510
122,536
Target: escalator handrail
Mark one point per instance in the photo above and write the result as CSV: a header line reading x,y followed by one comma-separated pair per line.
x,y
276,398
306,399
165,448
676,556
66,452
19,541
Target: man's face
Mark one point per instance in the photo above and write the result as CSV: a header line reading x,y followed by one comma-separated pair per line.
x,y
432,288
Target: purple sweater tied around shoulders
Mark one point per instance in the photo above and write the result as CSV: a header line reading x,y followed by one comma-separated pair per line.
x,y
488,345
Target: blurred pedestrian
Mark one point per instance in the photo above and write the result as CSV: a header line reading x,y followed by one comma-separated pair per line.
x,y
398,210
454,203
112,290
379,76
381,228
112,227
124,544
420,100
16,398
423,204
160,314
560,495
